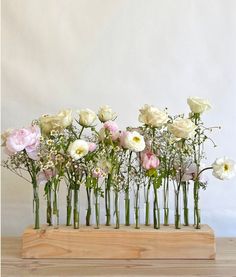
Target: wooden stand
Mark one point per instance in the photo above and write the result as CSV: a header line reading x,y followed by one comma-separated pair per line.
x,y
123,243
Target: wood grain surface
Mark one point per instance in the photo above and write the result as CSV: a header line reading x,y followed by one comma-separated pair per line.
x,y
13,265
123,243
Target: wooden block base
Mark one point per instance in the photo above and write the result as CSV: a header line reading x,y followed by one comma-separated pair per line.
x,y
123,243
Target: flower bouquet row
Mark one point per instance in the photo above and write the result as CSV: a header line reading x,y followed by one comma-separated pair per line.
x,y
163,152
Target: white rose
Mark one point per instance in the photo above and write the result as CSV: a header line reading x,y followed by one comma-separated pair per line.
x,y
182,128
152,116
87,117
198,105
105,113
78,149
224,168
65,117
134,141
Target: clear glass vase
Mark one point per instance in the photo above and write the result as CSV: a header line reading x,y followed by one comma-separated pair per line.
x,y
89,207
36,206
185,190
76,209
96,202
127,207
147,204
117,209
156,210
177,210
197,214
55,210
137,207
68,206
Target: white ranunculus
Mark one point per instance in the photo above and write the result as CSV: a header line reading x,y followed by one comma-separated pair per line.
x,y
105,113
182,128
78,149
66,118
152,116
87,117
134,141
198,105
224,168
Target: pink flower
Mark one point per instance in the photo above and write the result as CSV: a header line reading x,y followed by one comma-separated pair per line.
x,y
92,146
113,129
45,175
149,160
122,138
191,173
111,126
97,173
25,138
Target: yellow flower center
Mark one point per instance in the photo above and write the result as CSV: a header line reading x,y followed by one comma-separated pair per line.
x,y
136,139
79,150
226,167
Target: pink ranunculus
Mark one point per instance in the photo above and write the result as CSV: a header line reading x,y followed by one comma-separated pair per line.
x,y
122,137
149,160
97,172
45,175
18,140
92,146
25,138
33,148
113,129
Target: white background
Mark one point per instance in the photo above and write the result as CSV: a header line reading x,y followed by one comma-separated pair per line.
x,y
77,54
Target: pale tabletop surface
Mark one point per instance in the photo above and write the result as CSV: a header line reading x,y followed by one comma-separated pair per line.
x,y
13,265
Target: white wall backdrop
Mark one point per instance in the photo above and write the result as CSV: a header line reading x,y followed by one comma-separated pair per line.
x,y
79,53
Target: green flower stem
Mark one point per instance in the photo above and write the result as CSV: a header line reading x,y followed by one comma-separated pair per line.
x,y
76,208
49,206
127,194
185,187
177,211
156,211
197,216
117,210
97,211
108,200
136,208
69,207
147,205
166,201
89,209
55,210
127,208
36,207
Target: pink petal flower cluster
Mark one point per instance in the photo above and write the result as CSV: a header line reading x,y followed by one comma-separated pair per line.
x,y
45,175
24,139
113,129
149,160
98,173
92,146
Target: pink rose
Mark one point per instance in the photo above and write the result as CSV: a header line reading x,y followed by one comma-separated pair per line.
x,y
45,175
92,146
149,160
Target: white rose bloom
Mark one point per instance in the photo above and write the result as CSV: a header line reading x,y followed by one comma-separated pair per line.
x,y
182,128
152,116
198,105
134,141
66,117
87,117
105,113
78,149
5,135
224,168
